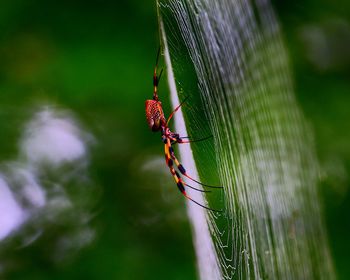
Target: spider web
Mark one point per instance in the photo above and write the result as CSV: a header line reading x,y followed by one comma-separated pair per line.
x,y
262,150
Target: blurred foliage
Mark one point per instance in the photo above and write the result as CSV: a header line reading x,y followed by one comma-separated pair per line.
x,y
96,58
323,94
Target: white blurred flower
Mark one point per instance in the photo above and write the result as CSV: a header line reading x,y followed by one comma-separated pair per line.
x,y
11,213
52,139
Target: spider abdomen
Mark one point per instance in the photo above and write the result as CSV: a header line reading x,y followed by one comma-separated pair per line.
x,y
154,115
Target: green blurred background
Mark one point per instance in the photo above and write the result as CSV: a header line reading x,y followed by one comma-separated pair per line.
x,y
95,59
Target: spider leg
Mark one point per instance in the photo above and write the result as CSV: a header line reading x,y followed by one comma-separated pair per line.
x,y
179,182
175,174
175,110
156,78
183,170
181,141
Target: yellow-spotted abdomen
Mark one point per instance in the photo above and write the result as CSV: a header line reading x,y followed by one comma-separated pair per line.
x,y
154,114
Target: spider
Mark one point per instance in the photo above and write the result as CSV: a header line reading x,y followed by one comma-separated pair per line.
x,y
157,122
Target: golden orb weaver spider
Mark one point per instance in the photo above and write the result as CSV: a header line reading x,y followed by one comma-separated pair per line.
x,y
157,122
